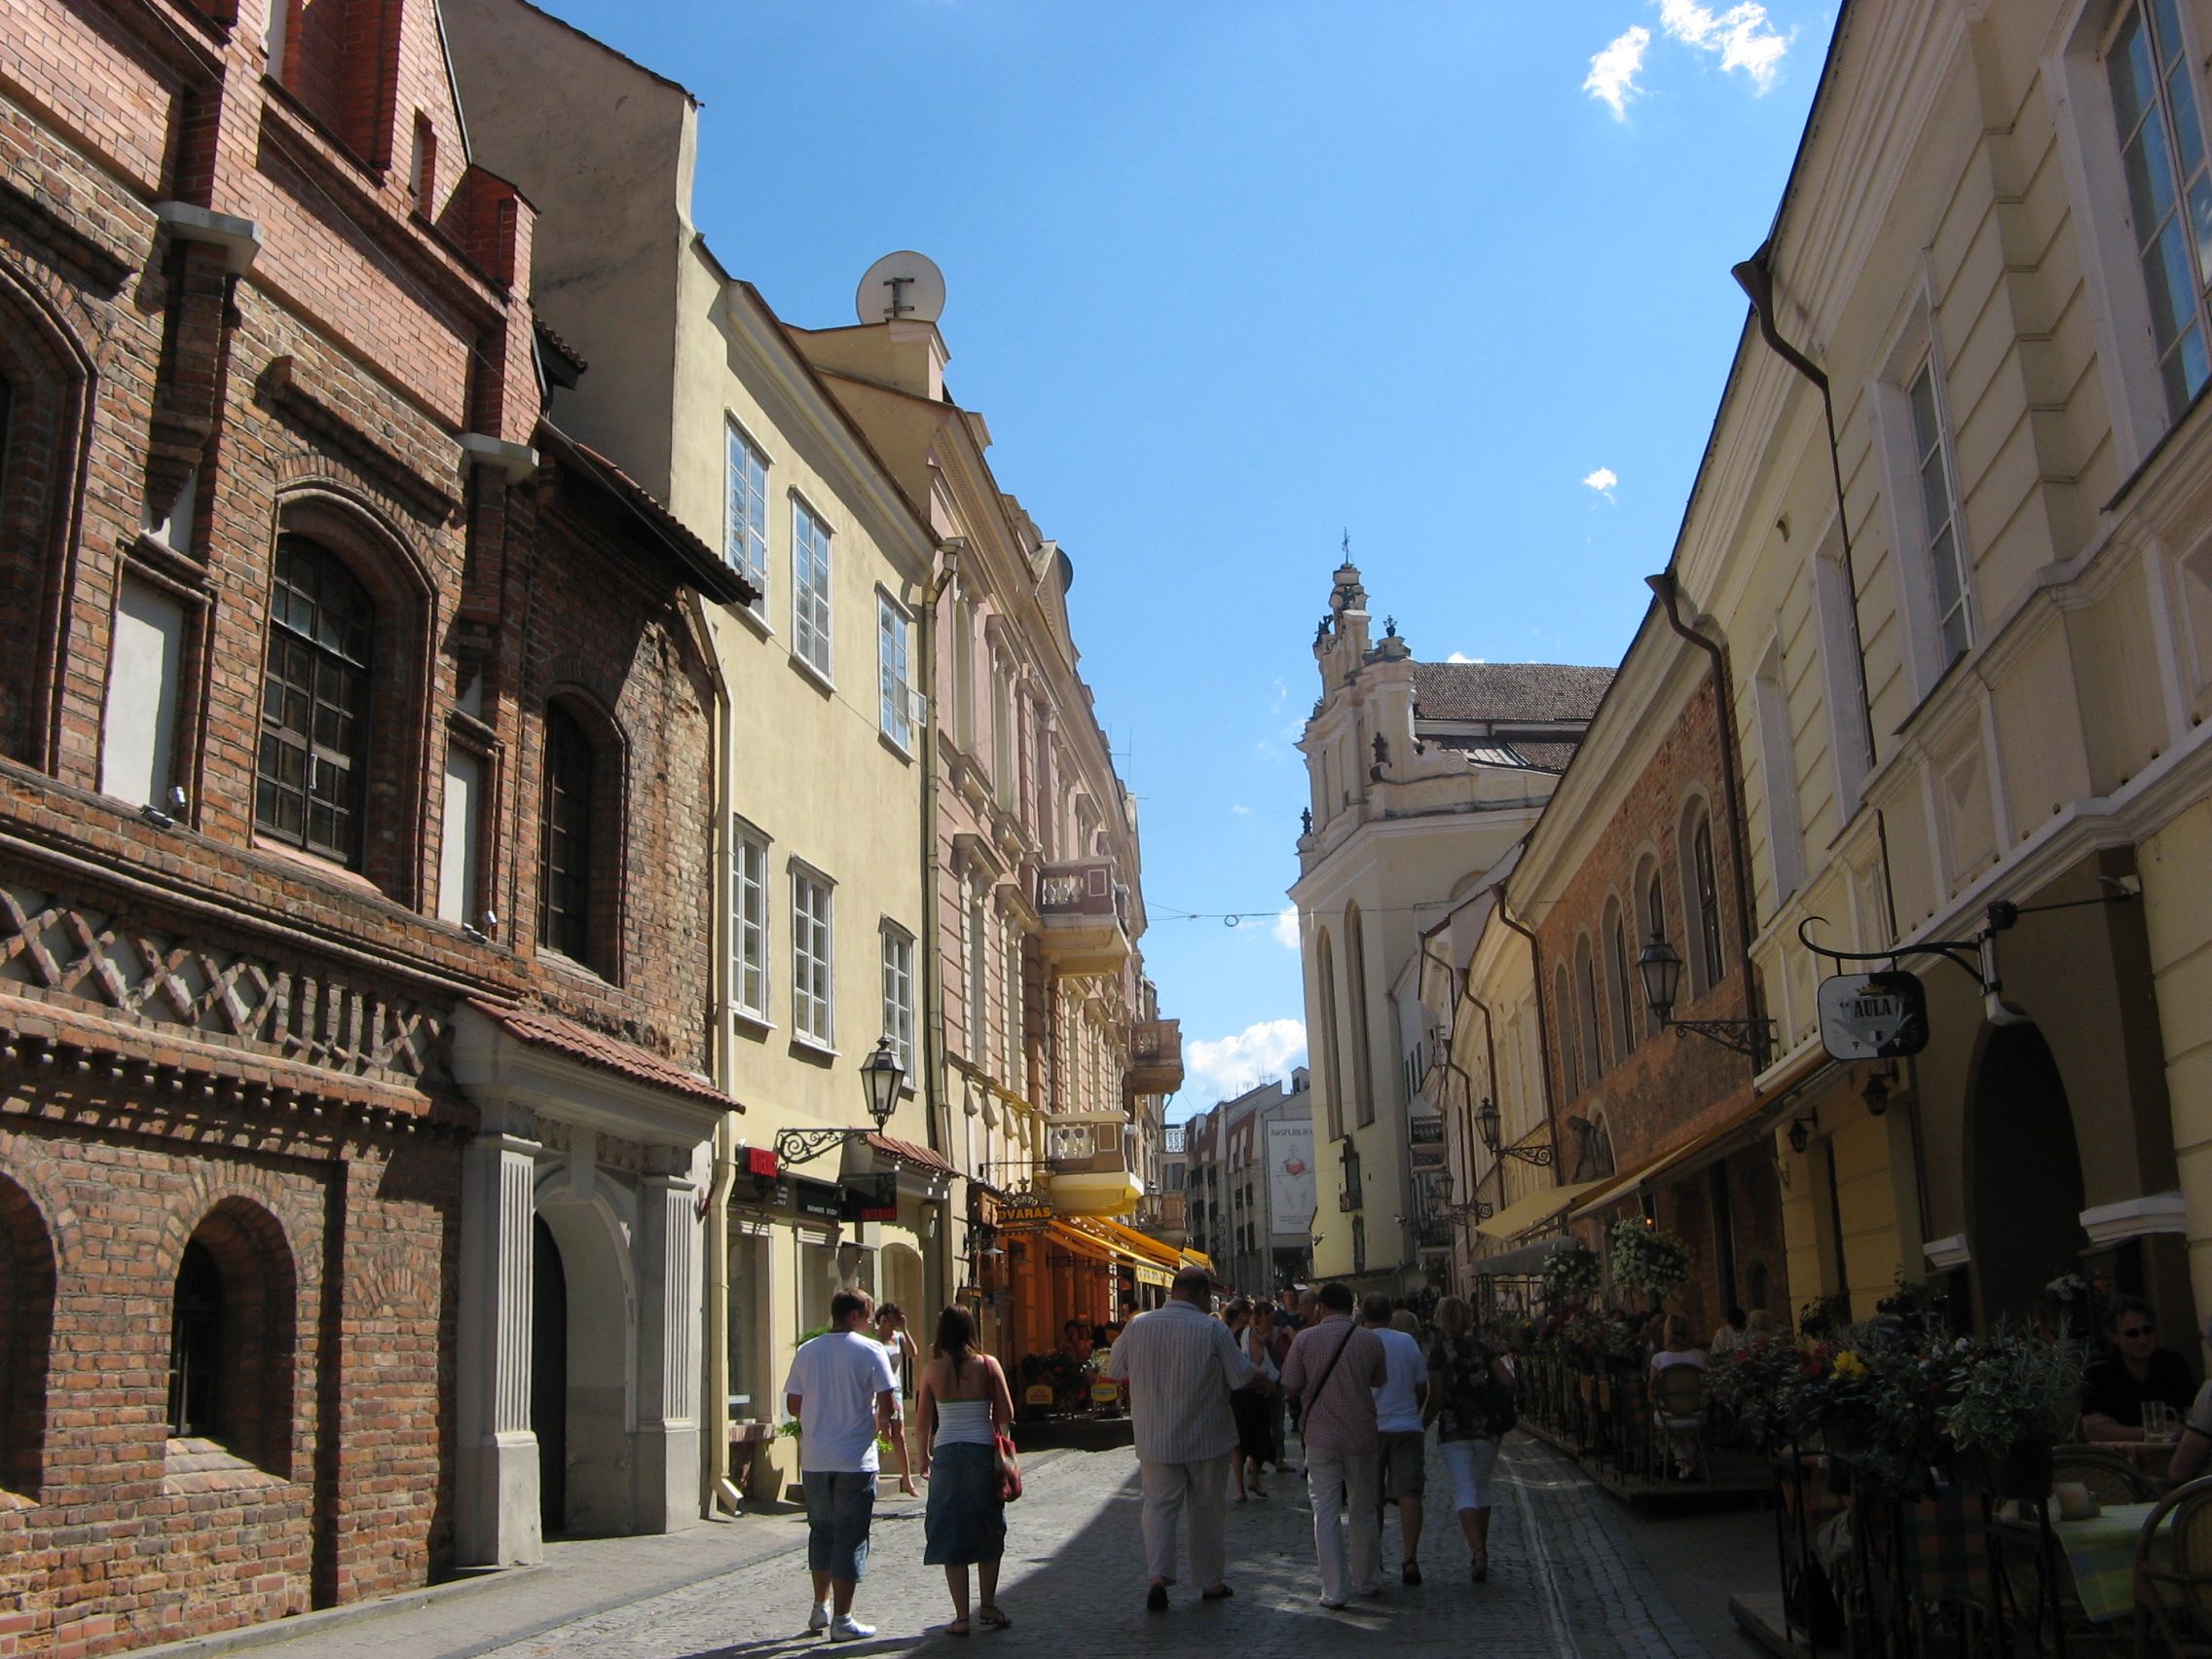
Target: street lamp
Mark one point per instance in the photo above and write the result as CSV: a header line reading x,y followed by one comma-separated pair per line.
x,y
1660,966
1486,1124
880,1078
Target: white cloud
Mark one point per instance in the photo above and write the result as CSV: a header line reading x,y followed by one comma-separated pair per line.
x,y
1286,927
1241,810
1225,1067
1602,481
1740,36
1611,80
1458,656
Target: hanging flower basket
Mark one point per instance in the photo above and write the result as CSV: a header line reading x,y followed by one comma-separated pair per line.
x,y
1571,1274
1645,1258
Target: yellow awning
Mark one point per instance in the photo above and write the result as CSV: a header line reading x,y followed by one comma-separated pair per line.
x,y
1140,1244
1197,1259
1070,1236
1534,1210
1615,1187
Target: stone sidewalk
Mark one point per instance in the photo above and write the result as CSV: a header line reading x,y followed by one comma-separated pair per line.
x,y
1568,1577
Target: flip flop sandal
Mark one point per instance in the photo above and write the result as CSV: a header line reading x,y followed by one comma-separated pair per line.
x,y
956,1627
990,1615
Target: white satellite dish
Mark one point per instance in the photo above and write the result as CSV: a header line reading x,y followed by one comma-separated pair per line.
x,y
901,287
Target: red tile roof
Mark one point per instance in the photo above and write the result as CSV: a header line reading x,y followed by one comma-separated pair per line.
x,y
908,1152
566,1038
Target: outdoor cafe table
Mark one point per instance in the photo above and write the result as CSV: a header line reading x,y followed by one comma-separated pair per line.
x,y
2100,1555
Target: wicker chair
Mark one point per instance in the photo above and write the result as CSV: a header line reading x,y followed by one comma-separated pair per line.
x,y
2173,1571
2110,1476
1679,1409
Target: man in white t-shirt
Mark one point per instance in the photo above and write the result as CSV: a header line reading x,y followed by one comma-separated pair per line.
x,y
844,1394
1398,1420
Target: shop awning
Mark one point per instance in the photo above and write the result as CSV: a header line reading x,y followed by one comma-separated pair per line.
x,y
1523,1259
1069,1237
1682,1161
1532,1209
1197,1259
1113,1192
1140,1244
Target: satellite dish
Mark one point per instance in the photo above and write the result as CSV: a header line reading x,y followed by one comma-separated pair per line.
x,y
901,287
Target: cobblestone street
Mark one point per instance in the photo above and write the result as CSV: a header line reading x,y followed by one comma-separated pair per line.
x,y
1567,1577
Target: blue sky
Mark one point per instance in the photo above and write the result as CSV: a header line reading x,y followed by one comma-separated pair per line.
x,y
1228,280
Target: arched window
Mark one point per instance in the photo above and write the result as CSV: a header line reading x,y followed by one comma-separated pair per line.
x,y
1707,903
1620,977
1362,1062
1587,1022
1652,894
564,842
231,1336
1325,991
26,1331
1565,1039
314,704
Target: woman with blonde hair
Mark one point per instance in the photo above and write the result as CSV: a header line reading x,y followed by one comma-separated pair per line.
x,y
1470,1400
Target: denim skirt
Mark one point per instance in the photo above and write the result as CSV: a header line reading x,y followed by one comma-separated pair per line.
x,y
965,1522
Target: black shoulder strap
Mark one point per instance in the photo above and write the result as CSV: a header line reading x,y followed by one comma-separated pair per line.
x,y
1329,1369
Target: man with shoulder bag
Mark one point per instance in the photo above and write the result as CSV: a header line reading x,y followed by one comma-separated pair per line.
x,y
1333,1368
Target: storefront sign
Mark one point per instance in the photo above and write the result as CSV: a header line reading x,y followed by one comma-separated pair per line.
x,y
1105,1393
872,1198
1038,1394
760,1163
1025,1211
1873,1017
819,1198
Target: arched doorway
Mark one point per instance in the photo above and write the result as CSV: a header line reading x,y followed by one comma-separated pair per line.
x,y
549,1376
2023,1173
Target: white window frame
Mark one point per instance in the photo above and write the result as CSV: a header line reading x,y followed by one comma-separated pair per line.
x,y
899,993
814,957
897,713
749,935
810,589
1916,348
745,547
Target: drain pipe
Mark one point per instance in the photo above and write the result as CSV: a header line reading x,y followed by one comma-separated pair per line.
x,y
1755,276
1670,595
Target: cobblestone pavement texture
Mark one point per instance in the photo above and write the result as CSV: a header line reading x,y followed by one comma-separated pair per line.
x,y
1567,1578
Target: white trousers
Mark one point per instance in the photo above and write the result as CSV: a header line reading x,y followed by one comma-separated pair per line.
x,y
1470,1463
1167,1486
1349,1483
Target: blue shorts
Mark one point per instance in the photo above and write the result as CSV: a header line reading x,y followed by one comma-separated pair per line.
x,y
839,1505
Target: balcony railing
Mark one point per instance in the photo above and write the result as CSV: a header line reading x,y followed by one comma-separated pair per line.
x,y
1084,914
1156,1058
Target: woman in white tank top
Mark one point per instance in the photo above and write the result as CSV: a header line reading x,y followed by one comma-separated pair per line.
x,y
964,1403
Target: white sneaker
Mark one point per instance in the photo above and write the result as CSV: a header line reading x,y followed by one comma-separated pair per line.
x,y
818,1621
846,1628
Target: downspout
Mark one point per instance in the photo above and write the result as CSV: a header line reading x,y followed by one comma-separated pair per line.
x,y
1755,276
1670,594
929,1037
721,1487
1544,1032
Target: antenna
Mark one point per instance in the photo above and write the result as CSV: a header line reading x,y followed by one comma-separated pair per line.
x,y
901,287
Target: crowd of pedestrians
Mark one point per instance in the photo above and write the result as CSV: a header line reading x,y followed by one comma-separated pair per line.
x,y
1213,1399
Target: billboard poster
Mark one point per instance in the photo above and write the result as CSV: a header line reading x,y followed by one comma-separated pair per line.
x,y
1290,1177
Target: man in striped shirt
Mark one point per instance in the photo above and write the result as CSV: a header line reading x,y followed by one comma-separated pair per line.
x,y
1181,1364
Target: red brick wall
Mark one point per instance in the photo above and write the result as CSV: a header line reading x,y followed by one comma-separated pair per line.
x,y
1674,1085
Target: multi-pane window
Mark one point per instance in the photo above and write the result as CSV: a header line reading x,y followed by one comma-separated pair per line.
x,y
314,704
895,679
564,888
1624,998
810,588
898,994
196,1345
744,532
812,993
1939,501
749,926
1708,903
2169,188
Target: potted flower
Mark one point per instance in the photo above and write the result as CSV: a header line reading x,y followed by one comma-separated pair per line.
x,y
1648,1259
2009,1395
1754,1382
1570,1274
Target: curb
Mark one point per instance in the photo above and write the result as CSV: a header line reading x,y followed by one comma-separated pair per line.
x,y
247,1637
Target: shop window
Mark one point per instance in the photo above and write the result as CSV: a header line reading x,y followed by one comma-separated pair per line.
x,y
314,704
26,1332
231,1334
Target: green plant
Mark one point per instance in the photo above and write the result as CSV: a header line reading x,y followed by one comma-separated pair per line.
x,y
2012,1386
1824,1315
1570,1274
1645,1258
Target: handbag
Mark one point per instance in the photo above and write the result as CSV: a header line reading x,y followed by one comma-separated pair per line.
x,y
1298,1409
1010,1470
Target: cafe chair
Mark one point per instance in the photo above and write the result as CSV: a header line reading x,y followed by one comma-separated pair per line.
x,y
2110,1476
2173,1573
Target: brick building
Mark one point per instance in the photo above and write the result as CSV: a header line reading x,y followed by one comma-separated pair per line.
x,y
341,686
1636,842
